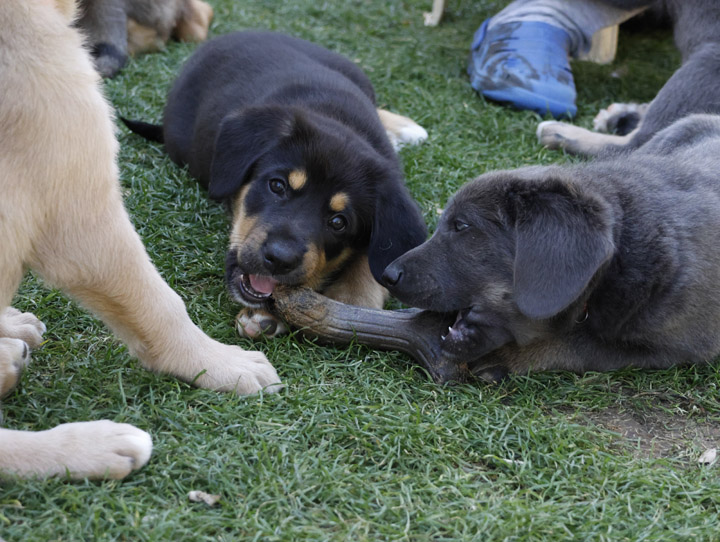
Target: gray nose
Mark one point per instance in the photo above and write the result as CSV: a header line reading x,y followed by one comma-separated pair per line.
x,y
392,275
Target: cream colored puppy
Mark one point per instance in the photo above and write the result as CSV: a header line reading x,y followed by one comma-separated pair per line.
x,y
62,215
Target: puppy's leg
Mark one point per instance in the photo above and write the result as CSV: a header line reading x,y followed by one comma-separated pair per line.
x,y
99,259
105,22
575,140
194,21
432,18
401,130
96,450
578,352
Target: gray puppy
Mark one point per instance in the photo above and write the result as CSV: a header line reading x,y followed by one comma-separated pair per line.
x,y
588,267
693,88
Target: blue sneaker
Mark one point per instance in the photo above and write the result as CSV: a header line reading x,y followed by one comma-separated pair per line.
x,y
526,64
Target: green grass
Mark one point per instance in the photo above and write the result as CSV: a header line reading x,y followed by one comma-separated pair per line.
x,y
361,445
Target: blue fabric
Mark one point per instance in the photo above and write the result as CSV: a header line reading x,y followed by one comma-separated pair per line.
x,y
526,64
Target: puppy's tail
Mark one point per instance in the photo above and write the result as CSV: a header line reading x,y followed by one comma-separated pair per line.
x,y
152,132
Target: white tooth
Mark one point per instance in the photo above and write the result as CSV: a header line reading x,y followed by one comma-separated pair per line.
x,y
443,337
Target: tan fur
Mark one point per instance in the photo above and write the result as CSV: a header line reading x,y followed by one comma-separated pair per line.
x,y
149,29
143,39
339,202
61,214
194,21
401,130
297,179
358,287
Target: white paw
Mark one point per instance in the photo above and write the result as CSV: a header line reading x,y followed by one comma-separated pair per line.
x,y
97,450
600,122
21,325
245,372
549,133
607,119
410,134
254,323
14,357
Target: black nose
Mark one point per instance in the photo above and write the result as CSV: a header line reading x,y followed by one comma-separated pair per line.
x,y
392,275
281,256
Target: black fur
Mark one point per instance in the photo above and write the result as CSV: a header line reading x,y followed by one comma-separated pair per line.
x,y
587,267
250,107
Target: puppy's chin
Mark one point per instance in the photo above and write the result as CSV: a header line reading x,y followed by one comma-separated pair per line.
x,y
460,339
244,290
474,334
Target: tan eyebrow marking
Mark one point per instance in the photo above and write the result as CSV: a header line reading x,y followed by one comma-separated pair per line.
x,y
297,179
339,202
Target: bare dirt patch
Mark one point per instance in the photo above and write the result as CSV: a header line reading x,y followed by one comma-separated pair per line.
x,y
657,433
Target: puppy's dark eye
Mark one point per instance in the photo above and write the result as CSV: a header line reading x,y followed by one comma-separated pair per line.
x,y
277,186
461,225
338,223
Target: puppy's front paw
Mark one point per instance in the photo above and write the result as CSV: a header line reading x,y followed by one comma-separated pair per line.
x,y
553,134
233,369
255,323
96,450
14,357
21,325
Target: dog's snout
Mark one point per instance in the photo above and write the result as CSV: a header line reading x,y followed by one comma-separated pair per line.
x,y
392,275
281,256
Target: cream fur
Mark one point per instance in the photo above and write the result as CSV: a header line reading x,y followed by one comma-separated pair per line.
x,y
62,215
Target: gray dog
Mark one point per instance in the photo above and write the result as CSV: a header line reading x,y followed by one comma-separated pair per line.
x,y
588,267
693,88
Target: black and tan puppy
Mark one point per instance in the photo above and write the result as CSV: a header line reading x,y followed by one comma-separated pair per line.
x,y
289,134
586,267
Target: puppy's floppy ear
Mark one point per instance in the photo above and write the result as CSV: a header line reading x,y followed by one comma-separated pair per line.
x,y
563,236
398,226
244,136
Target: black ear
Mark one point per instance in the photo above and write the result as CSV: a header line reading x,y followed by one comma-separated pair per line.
x,y
562,239
242,139
398,226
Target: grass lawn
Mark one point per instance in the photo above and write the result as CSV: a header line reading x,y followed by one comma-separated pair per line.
x,y
361,445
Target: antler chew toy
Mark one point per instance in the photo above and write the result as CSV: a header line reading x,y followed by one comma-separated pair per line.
x,y
414,332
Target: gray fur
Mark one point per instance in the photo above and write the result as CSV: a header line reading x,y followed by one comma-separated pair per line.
x,y
105,24
693,88
584,267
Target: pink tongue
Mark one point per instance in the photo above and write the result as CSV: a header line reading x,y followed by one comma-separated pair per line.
x,y
263,285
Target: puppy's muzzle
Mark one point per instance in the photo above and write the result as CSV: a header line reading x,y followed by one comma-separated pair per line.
x,y
392,275
281,256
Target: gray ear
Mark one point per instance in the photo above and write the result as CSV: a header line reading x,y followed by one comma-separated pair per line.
x,y
562,239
